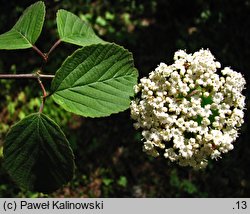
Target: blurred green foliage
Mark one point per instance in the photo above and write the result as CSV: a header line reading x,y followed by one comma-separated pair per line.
x,y
109,158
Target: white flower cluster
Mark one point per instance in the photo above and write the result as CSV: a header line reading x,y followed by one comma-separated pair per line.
x,y
190,110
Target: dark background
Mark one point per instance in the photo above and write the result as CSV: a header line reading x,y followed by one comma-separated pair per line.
x,y
109,157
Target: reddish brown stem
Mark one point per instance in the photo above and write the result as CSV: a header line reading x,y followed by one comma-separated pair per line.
x,y
45,58
44,94
53,48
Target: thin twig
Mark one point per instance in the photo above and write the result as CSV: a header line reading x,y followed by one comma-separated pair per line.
x,y
26,76
53,48
42,87
37,76
45,58
44,92
42,104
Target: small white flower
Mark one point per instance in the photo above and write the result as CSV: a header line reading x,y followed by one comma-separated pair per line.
x,y
189,106
170,154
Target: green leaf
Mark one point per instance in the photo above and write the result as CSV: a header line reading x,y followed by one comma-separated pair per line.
x,y
27,29
122,181
37,154
73,30
96,81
